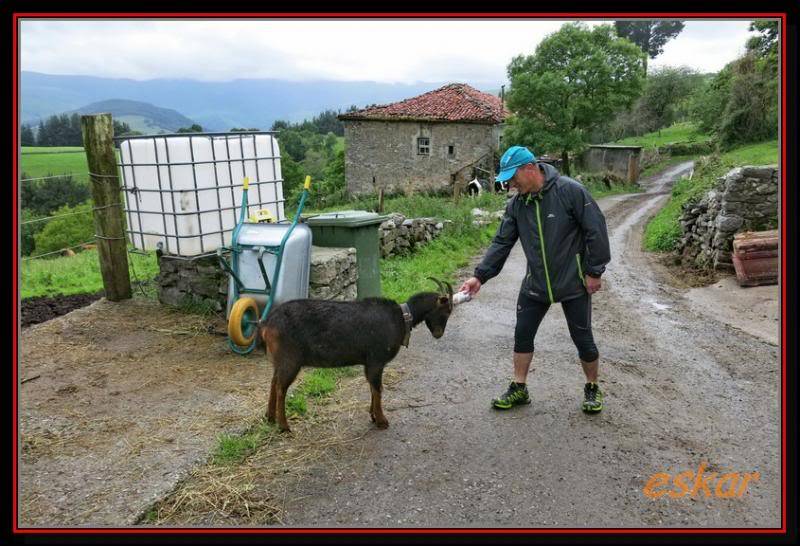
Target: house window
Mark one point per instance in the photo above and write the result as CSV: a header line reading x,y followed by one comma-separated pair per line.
x,y
451,151
423,146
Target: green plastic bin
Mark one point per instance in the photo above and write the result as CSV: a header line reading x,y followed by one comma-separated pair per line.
x,y
353,229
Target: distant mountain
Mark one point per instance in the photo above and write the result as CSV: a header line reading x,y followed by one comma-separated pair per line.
x,y
141,116
217,106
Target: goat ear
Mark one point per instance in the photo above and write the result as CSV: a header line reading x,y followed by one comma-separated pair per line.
x,y
444,300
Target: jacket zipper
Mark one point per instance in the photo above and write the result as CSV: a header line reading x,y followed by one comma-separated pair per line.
x,y
544,256
580,269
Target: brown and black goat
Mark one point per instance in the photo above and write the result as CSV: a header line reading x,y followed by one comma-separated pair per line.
x,y
332,334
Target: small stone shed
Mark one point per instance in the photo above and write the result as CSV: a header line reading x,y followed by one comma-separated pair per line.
x,y
622,161
424,143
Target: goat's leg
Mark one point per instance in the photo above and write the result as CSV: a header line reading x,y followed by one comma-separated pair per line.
x,y
375,378
272,398
285,376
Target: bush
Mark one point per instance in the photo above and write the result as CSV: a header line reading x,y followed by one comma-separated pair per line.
x,y
66,231
42,197
29,231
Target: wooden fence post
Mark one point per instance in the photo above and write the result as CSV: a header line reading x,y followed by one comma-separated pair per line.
x,y
98,134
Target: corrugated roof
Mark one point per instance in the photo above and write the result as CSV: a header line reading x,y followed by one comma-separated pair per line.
x,y
457,102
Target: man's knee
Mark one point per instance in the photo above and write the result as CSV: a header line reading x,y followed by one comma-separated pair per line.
x,y
589,355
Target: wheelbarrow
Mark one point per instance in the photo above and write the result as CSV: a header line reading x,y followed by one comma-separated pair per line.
x,y
269,264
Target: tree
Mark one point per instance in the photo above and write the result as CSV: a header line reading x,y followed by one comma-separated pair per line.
x,y
649,35
767,41
195,128
243,130
664,92
27,137
577,79
44,196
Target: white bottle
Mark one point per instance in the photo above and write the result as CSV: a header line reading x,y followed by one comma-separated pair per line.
x,y
461,297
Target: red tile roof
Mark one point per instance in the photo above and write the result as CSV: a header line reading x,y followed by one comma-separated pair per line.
x,y
456,102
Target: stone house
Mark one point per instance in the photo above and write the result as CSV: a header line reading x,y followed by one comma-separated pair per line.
x,y
424,143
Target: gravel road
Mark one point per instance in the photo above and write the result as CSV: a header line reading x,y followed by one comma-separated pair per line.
x,y
682,388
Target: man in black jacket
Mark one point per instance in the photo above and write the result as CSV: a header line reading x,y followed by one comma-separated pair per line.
x,y
565,240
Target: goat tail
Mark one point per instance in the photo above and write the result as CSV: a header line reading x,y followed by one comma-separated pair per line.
x,y
260,337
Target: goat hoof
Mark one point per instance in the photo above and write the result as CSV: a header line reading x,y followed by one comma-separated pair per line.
x,y
382,424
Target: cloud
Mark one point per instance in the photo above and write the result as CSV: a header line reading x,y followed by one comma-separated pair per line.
x,y
391,51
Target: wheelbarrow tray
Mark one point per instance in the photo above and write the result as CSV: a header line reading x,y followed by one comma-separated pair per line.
x,y
295,263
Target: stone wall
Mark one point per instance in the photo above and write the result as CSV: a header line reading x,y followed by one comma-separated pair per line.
x,y
384,155
746,199
400,235
334,274
203,282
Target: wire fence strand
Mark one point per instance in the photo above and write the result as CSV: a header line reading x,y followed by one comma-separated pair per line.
x,y
65,175
69,214
59,251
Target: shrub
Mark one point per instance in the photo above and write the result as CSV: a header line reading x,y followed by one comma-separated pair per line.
x,y
66,231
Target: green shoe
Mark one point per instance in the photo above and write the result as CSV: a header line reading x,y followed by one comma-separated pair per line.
x,y
592,398
516,395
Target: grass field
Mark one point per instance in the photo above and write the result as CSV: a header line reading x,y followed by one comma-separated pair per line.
x,y
79,274
680,132
45,161
663,231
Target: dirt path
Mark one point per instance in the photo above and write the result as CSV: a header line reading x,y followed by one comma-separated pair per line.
x,y
681,389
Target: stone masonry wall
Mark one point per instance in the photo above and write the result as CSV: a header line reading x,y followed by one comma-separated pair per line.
x,y
384,154
333,276
400,235
746,199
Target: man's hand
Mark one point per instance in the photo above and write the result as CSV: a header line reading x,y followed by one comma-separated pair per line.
x,y
592,284
471,286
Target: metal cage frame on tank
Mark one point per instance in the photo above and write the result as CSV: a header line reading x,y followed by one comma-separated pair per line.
x,y
178,226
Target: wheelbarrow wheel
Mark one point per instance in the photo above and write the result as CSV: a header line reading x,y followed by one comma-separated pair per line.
x,y
242,323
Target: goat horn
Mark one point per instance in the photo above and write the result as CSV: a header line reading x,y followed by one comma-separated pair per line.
x,y
438,283
449,293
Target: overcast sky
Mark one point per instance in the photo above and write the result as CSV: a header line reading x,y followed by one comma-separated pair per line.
x,y
392,51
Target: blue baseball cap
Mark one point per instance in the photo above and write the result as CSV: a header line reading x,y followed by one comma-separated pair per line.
x,y
514,158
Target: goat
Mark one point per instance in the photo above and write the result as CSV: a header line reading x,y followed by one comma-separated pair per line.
x,y
332,334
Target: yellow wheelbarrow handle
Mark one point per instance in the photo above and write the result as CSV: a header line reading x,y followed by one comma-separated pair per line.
x,y
307,185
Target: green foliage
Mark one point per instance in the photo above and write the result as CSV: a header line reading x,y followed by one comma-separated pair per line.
x,y
27,137
29,231
44,196
195,128
60,130
766,43
576,81
751,113
66,231
650,35
664,101
740,104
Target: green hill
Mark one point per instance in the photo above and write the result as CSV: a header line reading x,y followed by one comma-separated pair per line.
x,y
141,116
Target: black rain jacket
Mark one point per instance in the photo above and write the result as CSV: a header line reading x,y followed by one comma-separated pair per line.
x,y
563,234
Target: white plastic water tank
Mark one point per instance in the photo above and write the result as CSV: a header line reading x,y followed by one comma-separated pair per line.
x,y
186,191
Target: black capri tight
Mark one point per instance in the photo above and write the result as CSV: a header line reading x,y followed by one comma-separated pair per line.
x,y
578,312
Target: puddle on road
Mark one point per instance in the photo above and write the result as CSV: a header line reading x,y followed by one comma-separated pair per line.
x,y
658,306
